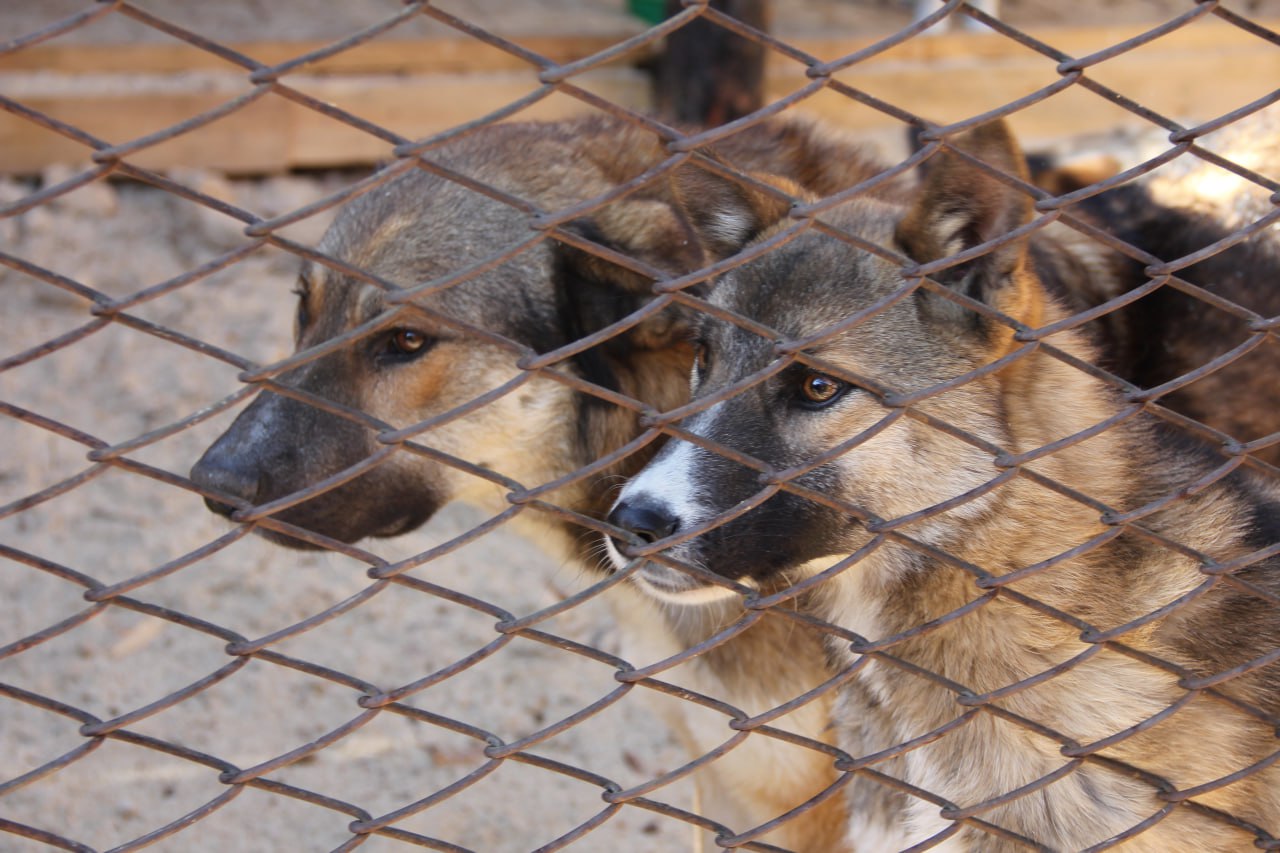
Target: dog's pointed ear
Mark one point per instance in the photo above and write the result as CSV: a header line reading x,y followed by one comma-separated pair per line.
x,y
690,221
727,214
594,291
959,206
695,219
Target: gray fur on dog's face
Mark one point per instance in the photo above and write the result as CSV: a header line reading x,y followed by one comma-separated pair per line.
x,y
466,343
393,376
821,420
813,286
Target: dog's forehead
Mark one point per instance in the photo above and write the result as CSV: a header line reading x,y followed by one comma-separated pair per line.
x,y
429,232
339,300
489,302
812,283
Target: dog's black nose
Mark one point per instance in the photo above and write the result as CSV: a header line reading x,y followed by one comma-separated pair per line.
x,y
647,518
216,472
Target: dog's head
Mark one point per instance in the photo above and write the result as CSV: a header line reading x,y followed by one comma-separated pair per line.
x,y
809,399
442,369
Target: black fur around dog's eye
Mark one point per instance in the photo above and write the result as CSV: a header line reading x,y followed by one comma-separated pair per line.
x,y
817,390
407,342
303,316
699,357
301,289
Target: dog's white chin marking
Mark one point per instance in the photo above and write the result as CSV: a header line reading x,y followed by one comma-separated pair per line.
x,y
654,581
669,585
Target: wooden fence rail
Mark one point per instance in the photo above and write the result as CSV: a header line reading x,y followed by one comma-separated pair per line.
x,y
120,92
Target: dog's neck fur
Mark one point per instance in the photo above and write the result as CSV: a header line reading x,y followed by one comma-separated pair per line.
x,y
1011,637
1015,519
658,379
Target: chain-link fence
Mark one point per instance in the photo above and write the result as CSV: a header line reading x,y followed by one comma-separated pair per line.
x,y
495,329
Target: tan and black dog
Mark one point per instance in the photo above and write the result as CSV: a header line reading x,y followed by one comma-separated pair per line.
x,y
411,366
1071,611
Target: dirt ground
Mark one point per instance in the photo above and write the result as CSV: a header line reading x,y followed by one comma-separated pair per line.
x,y
117,383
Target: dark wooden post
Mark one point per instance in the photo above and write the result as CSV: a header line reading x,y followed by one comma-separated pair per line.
x,y
707,75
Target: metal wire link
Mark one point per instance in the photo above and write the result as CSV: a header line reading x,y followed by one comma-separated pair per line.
x,y
281,653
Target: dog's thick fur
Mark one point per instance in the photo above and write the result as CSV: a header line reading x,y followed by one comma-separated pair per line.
x,y
858,426
420,227
1170,332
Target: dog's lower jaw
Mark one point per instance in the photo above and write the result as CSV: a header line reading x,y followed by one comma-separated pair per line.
x,y
668,585
391,529
653,579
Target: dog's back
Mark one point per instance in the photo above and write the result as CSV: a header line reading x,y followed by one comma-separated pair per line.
x,y
1204,320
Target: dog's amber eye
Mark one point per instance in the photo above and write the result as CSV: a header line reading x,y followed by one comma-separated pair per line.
x,y
818,390
408,341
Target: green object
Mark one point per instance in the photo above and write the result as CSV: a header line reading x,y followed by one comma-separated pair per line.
x,y
649,11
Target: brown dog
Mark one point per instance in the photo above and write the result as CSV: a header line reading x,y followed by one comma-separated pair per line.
x,y
1075,654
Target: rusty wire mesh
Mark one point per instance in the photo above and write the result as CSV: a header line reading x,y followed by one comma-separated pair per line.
x,y
646,803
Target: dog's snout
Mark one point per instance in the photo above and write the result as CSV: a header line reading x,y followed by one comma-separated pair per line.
x,y
647,518
217,472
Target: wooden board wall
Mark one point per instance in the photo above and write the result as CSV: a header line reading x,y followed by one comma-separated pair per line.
x,y
416,88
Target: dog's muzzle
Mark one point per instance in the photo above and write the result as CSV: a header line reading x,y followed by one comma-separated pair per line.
x,y
649,519
225,474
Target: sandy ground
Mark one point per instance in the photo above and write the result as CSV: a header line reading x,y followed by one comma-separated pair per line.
x,y
118,383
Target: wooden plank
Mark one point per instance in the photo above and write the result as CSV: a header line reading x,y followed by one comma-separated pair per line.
x,y
274,134
1188,86
440,54
1208,33
1193,75
416,107
383,56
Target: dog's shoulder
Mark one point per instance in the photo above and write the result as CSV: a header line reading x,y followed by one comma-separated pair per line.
x,y
1234,522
